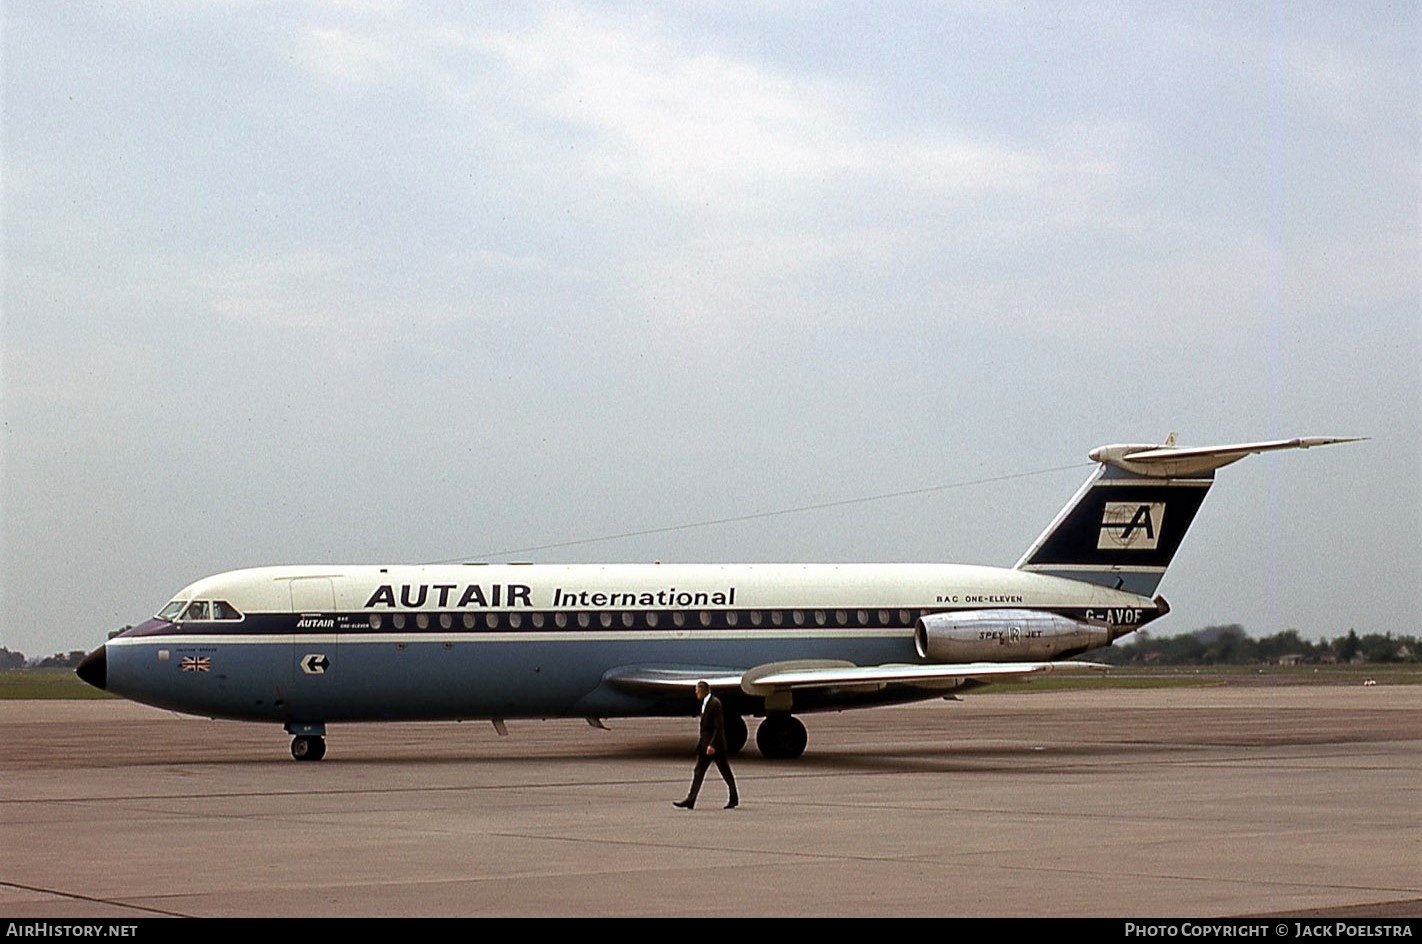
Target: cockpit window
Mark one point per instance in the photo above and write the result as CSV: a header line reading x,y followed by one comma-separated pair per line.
x,y
197,610
222,610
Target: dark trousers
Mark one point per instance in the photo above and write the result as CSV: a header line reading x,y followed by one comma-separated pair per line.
x,y
722,764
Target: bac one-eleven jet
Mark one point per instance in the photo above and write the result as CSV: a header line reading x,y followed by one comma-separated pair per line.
x,y
307,646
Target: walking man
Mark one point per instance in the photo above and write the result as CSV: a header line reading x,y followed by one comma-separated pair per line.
x,y
711,748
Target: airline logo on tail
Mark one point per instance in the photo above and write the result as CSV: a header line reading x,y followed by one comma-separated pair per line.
x,y
1130,526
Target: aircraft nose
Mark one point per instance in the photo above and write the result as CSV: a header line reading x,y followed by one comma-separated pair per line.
x,y
95,668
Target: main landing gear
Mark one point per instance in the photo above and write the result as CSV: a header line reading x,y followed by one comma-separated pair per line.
x,y
735,733
781,737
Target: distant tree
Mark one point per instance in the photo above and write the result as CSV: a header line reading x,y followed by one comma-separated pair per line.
x,y
1210,634
1188,650
1145,649
1288,643
1230,646
1378,647
63,660
11,660
1346,647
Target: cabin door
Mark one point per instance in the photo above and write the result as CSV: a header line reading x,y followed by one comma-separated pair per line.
x,y
315,659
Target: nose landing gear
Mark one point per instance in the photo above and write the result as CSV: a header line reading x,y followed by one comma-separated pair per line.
x,y
308,740
308,747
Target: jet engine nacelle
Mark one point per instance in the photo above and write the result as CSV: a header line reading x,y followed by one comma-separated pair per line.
x,y
1004,636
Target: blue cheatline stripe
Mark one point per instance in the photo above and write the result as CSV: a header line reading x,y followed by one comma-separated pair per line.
x,y
406,625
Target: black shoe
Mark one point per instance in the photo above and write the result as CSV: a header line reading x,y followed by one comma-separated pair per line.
x,y
684,804
732,804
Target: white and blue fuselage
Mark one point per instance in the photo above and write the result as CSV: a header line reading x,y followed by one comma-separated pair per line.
x,y
311,644
308,645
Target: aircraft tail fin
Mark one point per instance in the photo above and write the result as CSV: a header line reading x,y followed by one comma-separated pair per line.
x,y
1123,526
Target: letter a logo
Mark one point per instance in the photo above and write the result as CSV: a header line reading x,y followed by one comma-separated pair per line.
x,y
1130,526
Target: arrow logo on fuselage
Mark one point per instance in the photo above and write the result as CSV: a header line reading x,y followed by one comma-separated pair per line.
x,y
315,664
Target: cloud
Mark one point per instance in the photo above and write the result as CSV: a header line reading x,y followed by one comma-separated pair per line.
x,y
700,127
344,56
694,125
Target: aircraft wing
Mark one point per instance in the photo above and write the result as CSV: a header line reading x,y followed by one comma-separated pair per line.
x,y
664,680
784,677
780,677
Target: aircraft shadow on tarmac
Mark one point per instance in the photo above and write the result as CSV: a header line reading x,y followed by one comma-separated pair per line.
x,y
1018,758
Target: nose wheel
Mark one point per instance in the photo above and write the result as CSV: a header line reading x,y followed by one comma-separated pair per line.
x,y
308,747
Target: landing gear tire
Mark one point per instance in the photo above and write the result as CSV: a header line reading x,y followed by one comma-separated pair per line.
x,y
308,747
781,737
735,733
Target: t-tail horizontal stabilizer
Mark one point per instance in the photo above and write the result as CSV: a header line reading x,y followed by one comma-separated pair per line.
x,y
1123,526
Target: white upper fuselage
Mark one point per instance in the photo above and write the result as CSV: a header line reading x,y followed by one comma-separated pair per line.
x,y
824,594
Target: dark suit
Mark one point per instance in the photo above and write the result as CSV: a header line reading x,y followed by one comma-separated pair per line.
x,y
713,735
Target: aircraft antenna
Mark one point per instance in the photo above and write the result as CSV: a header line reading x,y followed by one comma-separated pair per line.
x,y
761,515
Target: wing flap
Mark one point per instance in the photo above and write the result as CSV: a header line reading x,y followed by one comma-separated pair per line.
x,y
670,680
781,677
771,679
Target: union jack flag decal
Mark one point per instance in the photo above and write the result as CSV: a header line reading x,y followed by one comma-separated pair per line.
x,y
197,664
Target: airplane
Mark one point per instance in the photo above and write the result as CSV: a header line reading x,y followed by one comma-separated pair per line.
x,y
307,646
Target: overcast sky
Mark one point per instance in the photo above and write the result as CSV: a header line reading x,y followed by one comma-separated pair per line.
x,y
400,282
